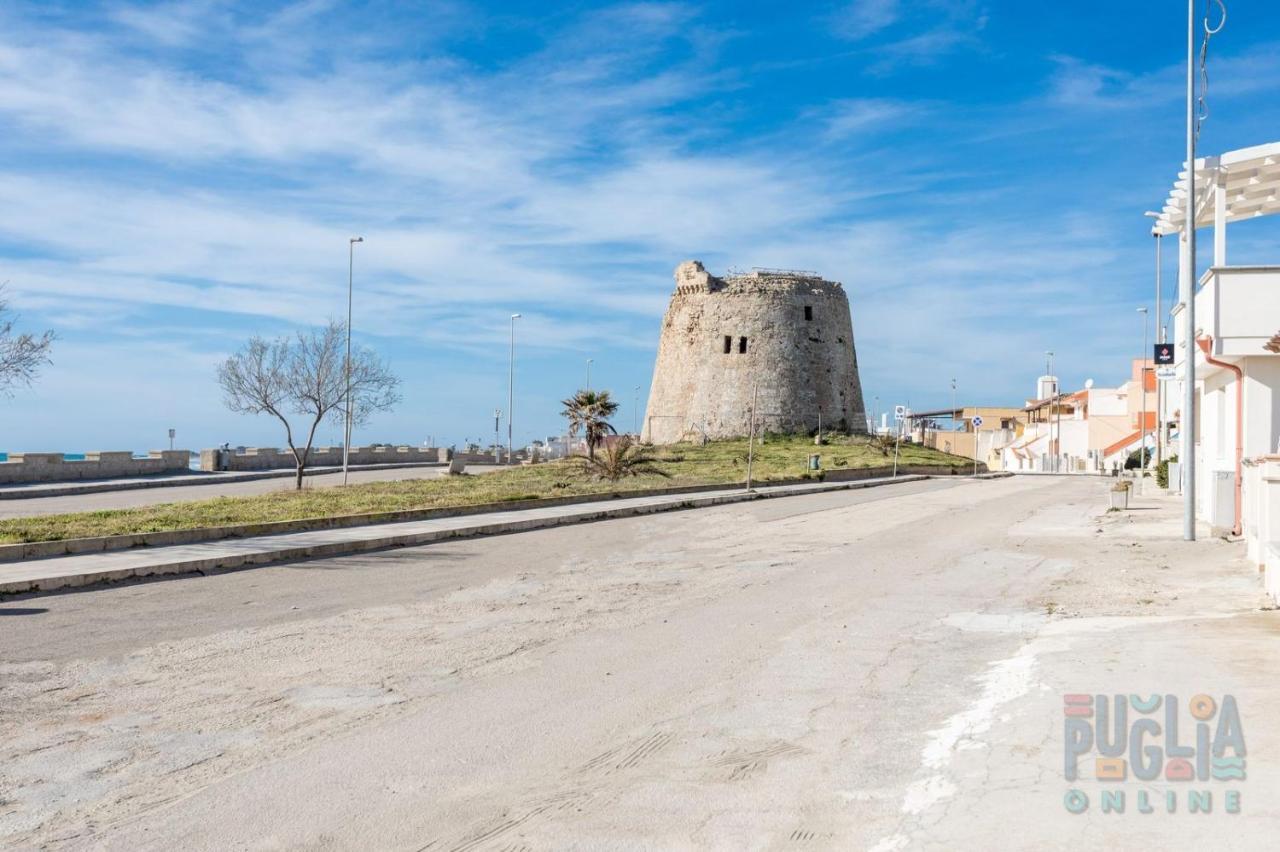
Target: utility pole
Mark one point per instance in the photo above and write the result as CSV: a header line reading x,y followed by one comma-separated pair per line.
x,y
1187,288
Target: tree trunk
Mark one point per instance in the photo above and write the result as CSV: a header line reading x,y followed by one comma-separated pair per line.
x,y
298,476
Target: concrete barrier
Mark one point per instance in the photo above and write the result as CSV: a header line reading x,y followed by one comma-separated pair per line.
x,y
272,458
55,467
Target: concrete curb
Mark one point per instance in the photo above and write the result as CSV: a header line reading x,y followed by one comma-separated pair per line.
x,y
97,544
35,491
282,551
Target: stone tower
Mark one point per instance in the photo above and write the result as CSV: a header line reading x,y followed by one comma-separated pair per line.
x,y
788,334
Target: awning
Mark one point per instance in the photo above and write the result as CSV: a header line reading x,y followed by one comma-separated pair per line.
x,y
1249,178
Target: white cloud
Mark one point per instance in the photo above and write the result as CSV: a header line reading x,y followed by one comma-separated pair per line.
x,y
862,18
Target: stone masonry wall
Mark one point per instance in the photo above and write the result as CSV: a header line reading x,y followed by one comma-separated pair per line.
x,y
271,458
54,467
788,335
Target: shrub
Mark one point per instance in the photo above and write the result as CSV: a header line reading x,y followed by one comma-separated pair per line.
x,y
1136,459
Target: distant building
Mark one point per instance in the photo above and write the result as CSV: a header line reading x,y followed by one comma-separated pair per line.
x,y
999,426
1090,430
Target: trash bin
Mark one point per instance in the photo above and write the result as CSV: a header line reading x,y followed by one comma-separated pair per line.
x,y
815,461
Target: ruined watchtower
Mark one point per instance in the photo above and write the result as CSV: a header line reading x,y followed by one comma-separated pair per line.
x,y
784,332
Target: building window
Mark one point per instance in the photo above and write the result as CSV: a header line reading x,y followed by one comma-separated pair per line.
x,y
808,313
728,343
742,345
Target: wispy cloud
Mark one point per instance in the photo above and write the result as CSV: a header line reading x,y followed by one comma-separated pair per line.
x,y
862,18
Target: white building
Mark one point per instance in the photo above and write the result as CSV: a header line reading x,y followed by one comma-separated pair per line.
x,y
1237,317
1092,430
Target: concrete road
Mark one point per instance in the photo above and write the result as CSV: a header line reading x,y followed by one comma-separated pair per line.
x,y
880,670
98,501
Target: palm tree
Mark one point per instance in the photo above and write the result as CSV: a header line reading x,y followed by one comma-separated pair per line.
x,y
590,411
619,459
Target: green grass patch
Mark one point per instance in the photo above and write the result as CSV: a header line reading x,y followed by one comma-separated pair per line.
x,y
777,457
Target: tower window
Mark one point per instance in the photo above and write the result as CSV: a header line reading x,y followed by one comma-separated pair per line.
x,y
728,343
742,345
808,313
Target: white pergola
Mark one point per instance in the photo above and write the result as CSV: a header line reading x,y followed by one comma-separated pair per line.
x,y
1230,187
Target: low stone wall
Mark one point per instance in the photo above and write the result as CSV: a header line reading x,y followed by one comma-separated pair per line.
x,y
849,474
54,467
271,458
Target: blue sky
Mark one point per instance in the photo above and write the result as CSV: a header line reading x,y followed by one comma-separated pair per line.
x,y
176,177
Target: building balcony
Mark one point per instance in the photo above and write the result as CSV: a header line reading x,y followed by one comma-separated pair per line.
x,y
1239,307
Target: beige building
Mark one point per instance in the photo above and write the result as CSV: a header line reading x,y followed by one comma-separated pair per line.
x,y
999,426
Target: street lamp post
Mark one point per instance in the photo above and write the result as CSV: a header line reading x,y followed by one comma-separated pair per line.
x,y
954,419
351,265
511,389
589,360
1160,335
497,441
1142,377
635,412
1048,372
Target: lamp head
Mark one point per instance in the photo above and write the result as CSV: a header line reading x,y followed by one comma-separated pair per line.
x,y
357,239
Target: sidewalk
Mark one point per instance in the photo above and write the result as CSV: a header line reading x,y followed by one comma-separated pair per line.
x,y
80,570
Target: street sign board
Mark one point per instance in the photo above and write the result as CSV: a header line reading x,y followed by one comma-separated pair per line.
x,y
899,412
1164,374
1164,353
977,421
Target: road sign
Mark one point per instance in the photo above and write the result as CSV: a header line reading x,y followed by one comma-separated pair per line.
x,y
899,412
1164,374
977,421
1164,353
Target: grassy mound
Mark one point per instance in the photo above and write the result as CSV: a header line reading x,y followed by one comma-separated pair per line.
x,y
777,457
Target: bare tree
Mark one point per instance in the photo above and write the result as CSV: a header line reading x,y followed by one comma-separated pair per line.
x,y
305,375
21,355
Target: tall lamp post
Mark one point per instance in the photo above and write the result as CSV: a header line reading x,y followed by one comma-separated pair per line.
x,y
635,412
589,360
1159,339
1142,377
955,419
351,266
1055,404
511,389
